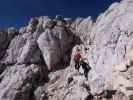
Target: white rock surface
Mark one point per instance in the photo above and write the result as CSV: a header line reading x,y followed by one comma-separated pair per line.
x,y
106,43
54,44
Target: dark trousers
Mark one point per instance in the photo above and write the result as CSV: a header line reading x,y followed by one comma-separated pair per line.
x,y
86,68
77,65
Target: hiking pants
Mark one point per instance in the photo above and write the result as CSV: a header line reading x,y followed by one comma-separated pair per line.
x,y
77,65
86,68
86,73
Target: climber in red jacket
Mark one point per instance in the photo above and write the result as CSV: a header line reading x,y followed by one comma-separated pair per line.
x,y
77,59
80,61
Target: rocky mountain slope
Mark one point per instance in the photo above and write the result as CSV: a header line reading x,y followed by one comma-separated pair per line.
x,y
36,61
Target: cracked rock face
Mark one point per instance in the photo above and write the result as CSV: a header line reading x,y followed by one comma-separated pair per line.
x,y
19,82
54,44
36,61
28,54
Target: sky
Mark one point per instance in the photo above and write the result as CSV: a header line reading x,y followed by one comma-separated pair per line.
x,y
18,12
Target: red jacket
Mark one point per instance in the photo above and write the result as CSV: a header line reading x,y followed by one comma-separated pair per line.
x,y
77,56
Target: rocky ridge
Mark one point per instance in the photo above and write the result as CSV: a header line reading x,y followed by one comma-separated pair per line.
x,y
36,61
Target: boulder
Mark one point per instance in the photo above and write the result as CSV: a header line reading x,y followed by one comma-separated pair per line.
x,y
50,49
19,82
54,44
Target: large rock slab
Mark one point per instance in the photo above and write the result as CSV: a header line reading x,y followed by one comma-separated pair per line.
x,y
54,45
19,81
50,49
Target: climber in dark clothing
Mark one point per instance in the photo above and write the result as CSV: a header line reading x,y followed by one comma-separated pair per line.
x,y
86,67
77,59
80,62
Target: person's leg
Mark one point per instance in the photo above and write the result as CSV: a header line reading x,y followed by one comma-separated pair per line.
x,y
76,65
86,74
88,68
84,65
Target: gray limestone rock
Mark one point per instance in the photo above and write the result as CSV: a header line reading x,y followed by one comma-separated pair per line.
x,y
106,45
54,45
30,53
19,81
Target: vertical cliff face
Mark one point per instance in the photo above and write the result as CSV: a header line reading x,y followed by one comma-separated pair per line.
x,y
36,61
112,39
